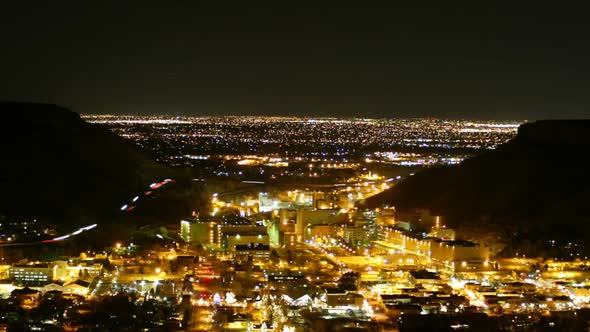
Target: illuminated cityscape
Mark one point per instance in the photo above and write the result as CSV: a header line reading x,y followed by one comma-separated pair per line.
x,y
323,142
294,167
282,244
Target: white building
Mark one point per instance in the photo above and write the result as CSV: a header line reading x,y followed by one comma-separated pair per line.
x,y
32,274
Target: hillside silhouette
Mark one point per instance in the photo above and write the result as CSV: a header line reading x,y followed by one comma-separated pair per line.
x,y
56,166
537,183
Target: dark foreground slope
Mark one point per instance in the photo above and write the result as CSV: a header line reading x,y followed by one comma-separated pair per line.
x,y
538,183
58,167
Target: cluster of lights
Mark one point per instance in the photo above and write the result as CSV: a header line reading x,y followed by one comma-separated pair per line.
x,y
337,139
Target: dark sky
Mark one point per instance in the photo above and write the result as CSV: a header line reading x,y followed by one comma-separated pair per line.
x,y
293,59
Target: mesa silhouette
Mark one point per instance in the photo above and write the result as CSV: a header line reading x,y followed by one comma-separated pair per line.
x,y
537,183
58,167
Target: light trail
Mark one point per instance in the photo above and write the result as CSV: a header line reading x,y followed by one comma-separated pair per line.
x,y
55,239
79,231
67,236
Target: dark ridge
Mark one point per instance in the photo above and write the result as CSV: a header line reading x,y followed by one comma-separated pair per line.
x,y
59,167
537,183
568,132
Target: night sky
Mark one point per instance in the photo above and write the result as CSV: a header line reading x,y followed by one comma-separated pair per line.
x,y
291,59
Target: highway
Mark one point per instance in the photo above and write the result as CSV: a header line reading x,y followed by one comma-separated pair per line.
x,y
125,207
55,239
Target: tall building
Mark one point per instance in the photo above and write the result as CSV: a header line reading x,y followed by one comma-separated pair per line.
x,y
307,217
289,239
197,231
386,217
280,232
358,236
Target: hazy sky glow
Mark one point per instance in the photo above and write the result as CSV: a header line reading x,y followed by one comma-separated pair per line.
x,y
440,61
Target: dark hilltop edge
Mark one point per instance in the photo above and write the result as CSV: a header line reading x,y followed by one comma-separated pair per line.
x,y
57,167
536,184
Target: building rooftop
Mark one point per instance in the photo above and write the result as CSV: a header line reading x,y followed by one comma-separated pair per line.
x,y
23,291
423,274
459,243
252,246
335,290
37,265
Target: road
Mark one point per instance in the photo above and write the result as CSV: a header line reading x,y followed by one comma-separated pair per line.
x,y
201,318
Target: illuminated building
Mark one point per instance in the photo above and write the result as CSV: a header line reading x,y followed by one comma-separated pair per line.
x,y
460,256
203,232
277,280
307,217
230,240
79,287
4,271
385,217
421,217
362,232
53,287
287,215
274,232
6,286
269,203
328,200
289,239
86,269
255,250
162,288
319,230
423,277
446,234
357,235
187,261
282,233
26,297
33,275
336,297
